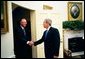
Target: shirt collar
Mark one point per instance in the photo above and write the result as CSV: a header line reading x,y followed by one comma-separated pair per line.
x,y
22,27
48,28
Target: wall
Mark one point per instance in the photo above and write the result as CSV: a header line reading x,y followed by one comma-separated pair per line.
x,y
82,10
7,38
56,17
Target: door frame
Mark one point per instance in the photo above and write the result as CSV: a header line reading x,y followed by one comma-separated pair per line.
x,y
33,28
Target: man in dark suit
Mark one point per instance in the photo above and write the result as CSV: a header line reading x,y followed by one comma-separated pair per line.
x,y
21,37
51,39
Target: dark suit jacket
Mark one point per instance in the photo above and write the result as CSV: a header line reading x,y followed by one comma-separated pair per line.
x,y
21,49
51,43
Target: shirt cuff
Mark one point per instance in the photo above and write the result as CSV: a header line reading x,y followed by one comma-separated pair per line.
x,y
27,42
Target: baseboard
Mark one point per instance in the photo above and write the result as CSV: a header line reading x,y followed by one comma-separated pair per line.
x,y
12,56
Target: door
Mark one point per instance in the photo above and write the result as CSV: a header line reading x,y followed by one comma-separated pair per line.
x,y
18,13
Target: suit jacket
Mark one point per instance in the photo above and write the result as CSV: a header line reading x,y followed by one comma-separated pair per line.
x,y
51,43
20,47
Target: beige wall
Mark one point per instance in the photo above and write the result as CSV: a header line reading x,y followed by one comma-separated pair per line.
x,y
7,39
58,14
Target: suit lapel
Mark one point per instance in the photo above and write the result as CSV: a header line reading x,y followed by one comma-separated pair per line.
x,y
21,30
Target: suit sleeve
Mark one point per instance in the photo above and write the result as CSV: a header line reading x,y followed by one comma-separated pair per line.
x,y
39,41
56,42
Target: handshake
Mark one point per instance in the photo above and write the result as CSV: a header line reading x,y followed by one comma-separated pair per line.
x,y
30,43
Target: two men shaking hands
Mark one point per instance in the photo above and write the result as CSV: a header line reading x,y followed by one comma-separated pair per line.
x,y
51,39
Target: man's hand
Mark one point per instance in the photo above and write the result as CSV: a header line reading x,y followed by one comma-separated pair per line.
x,y
30,43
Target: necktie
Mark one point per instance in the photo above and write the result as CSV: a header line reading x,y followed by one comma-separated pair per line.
x,y
24,37
24,31
46,33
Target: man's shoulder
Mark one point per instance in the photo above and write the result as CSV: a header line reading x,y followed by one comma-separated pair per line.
x,y
17,28
52,28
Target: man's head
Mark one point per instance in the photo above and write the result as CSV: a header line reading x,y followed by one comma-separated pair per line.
x,y
23,22
47,23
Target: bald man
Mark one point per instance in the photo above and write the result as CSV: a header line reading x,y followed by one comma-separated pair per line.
x,y
21,37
